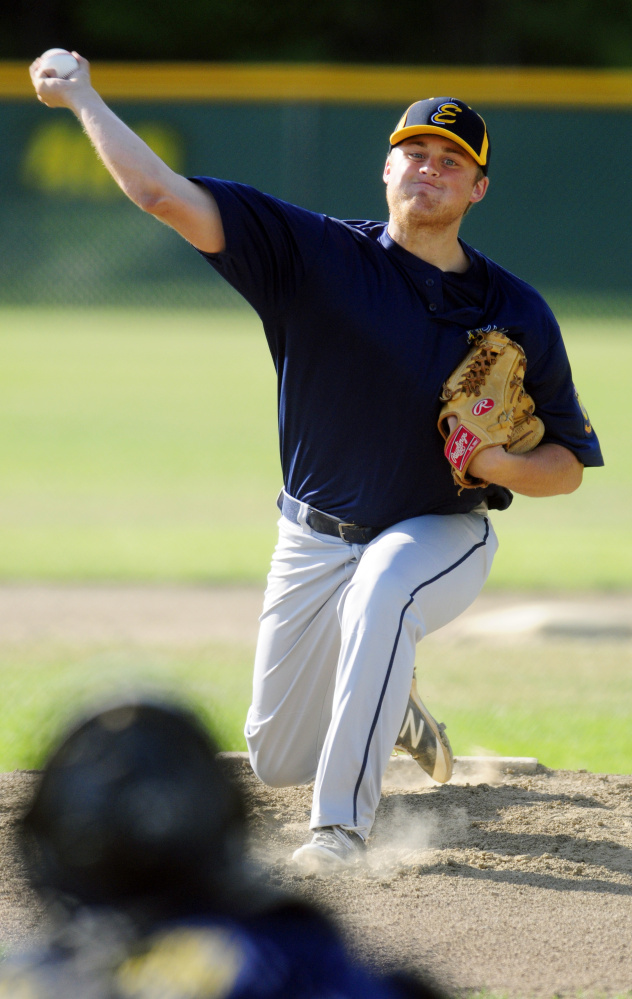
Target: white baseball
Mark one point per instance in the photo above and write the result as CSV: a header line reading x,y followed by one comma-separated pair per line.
x,y
61,61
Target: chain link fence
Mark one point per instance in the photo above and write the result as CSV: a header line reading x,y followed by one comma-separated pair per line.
x,y
558,212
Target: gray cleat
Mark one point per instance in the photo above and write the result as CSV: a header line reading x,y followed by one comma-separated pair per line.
x,y
425,739
330,849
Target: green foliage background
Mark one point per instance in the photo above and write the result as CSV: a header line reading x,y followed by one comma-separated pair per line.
x,y
489,32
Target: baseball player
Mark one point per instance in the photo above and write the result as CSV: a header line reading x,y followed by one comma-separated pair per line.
x,y
378,545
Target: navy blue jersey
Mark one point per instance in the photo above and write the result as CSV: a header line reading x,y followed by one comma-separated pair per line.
x,y
289,953
363,334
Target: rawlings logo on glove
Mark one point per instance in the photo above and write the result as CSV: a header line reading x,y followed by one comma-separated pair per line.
x,y
494,369
462,445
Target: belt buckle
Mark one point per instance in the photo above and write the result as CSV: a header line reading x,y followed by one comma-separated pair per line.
x,y
353,527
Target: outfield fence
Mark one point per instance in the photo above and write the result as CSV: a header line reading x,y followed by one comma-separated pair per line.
x,y
558,211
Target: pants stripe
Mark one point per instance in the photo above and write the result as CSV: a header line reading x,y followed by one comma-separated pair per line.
x,y
428,582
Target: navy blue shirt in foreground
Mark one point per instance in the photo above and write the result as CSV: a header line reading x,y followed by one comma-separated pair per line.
x,y
286,952
363,334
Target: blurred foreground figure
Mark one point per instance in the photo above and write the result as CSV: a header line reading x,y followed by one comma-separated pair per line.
x,y
135,839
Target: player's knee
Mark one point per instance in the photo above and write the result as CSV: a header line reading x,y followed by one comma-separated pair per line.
x,y
274,773
271,764
264,766
269,775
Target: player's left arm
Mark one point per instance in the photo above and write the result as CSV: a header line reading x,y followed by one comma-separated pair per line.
x,y
554,467
548,470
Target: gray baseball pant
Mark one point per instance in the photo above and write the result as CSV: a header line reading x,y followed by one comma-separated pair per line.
x,y
336,651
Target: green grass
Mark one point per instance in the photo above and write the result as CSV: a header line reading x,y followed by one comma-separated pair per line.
x,y
142,445
136,445
47,686
566,703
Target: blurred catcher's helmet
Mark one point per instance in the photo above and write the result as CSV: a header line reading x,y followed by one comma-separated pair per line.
x,y
133,806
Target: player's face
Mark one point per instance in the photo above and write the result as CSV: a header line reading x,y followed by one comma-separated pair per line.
x,y
432,180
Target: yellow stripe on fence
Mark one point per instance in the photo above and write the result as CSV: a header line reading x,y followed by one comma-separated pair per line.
x,y
344,84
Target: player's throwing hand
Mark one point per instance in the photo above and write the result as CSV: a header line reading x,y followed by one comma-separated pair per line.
x,y
56,92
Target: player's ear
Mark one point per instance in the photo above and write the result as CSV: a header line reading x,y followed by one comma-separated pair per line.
x,y
479,190
387,169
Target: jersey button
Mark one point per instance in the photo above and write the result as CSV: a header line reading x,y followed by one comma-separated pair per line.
x,y
432,307
430,282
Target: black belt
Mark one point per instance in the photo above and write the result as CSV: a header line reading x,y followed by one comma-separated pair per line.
x,y
353,534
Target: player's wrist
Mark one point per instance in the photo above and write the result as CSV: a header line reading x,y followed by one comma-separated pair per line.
x,y
493,464
83,99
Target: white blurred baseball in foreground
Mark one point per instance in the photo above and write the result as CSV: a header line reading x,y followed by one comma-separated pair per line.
x,y
61,61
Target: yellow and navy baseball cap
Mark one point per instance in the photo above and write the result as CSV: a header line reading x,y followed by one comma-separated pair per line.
x,y
446,116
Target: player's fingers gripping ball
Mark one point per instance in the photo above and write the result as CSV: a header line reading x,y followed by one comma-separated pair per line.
x,y
60,61
486,395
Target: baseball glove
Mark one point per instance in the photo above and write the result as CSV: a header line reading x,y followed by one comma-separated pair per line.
x,y
486,395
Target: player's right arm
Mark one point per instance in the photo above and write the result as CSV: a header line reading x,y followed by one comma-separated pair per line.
x,y
187,207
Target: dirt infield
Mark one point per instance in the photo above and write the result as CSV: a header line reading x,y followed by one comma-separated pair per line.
x,y
166,614
519,883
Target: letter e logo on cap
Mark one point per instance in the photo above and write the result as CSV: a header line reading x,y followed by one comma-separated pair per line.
x,y
446,114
